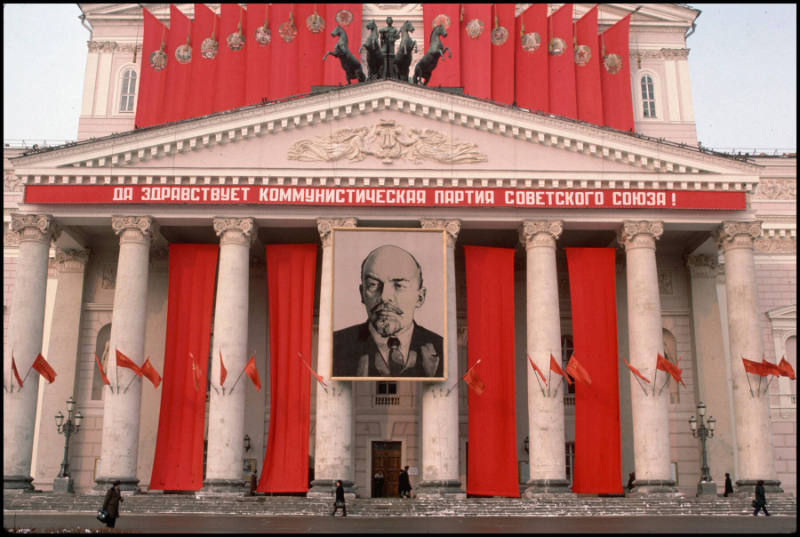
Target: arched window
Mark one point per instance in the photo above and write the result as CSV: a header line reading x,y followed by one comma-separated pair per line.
x,y
648,97
103,337
127,93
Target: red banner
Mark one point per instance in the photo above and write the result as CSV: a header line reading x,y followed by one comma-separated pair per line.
x,y
531,82
178,72
291,272
152,72
283,65
561,64
587,69
615,76
492,462
448,70
348,16
258,52
203,77
231,81
178,462
384,197
592,285
476,50
312,28
503,51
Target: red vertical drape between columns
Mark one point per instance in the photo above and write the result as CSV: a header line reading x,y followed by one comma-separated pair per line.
x,y
532,88
149,103
448,70
615,77
503,55
333,75
257,55
310,46
587,72
291,272
283,64
476,52
203,77
177,84
230,80
592,284
178,461
562,65
492,466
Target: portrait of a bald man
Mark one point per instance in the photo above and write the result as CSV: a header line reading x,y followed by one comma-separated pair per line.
x,y
390,343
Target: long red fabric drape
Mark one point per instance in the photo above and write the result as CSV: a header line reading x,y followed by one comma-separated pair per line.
x,y
203,77
615,76
283,65
594,328
178,462
492,467
476,50
177,85
562,64
291,271
149,106
503,54
349,18
587,69
448,70
530,38
311,45
258,55
230,81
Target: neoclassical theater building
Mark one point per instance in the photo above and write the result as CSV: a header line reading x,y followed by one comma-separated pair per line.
x,y
705,272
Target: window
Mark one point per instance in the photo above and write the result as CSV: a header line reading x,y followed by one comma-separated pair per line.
x,y
127,93
386,388
570,453
103,337
648,97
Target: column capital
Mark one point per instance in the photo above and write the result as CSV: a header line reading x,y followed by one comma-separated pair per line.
x,y
235,230
326,225
452,227
639,234
731,235
140,229
34,227
702,266
72,259
540,232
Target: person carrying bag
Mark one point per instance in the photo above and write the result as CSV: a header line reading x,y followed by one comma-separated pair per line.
x,y
111,506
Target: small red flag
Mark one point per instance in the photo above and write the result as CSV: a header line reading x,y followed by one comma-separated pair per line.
x,y
786,368
635,371
557,368
195,372
537,370
124,361
150,372
102,373
770,368
14,369
575,369
252,372
756,368
223,373
665,365
44,369
316,375
473,381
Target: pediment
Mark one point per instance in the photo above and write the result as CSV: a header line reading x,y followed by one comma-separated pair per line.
x,y
784,313
254,143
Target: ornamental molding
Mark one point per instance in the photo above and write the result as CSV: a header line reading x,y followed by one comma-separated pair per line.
x,y
660,54
138,229
12,183
326,225
389,142
34,227
450,227
642,234
702,266
533,233
730,235
775,245
72,259
235,230
776,189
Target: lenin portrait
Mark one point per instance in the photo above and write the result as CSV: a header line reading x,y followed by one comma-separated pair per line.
x,y
388,309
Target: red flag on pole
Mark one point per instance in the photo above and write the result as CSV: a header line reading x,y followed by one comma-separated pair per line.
x,y
557,368
258,52
448,70
786,368
202,78
665,365
230,80
252,372
635,371
44,369
575,369
473,381
530,37
312,32
16,373
587,69
502,38
179,56
153,72
537,370
561,64
615,76
476,50
311,370
223,373
756,368
102,373
150,372
124,361
770,368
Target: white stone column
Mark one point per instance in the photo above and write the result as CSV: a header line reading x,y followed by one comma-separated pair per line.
x,y
333,434
120,441
440,431
226,410
25,329
753,431
543,329
645,340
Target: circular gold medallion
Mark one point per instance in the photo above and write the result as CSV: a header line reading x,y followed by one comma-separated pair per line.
x,y
474,28
287,31
263,36
612,63
158,60
315,23
557,46
530,42
582,55
183,53
499,35
236,41
441,19
344,17
209,48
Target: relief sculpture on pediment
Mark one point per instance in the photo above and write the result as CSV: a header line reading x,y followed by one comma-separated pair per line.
x,y
387,141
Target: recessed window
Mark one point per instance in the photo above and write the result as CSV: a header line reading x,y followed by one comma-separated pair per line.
x,y
648,97
127,93
386,388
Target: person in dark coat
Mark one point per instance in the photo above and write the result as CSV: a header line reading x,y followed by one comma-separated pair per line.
x,y
339,501
728,485
111,504
761,499
404,484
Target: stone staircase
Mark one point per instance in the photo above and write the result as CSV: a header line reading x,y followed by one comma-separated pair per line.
x,y
568,505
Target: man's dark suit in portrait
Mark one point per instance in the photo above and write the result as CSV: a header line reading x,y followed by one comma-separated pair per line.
x,y
389,343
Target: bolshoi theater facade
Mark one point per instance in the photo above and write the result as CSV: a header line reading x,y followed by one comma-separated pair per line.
x,y
703,270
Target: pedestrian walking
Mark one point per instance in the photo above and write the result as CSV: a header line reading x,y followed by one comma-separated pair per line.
x,y
111,504
728,485
631,479
404,484
379,479
339,501
761,499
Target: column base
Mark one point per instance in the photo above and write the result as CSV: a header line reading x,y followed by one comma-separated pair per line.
x,y
22,483
223,487
707,488
661,487
326,488
748,486
63,485
450,488
126,484
539,487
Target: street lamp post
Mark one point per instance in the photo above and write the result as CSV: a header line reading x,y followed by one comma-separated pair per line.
x,y
706,486
63,482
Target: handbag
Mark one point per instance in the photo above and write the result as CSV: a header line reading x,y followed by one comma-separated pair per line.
x,y
102,515
755,503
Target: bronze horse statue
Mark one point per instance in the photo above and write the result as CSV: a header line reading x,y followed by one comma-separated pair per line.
x,y
374,52
403,58
350,65
428,62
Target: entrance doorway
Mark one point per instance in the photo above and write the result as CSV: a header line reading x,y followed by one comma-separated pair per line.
x,y
386,458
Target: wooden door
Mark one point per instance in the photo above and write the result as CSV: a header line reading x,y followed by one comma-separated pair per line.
x,y
386,457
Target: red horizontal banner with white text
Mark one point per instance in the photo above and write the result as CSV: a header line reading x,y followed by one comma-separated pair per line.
x,y
383,196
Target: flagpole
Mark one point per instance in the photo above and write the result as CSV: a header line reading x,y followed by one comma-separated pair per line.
x,y
758,390
747,374
464,375
536,375
550,370
240,375
129,384
664,385
766,388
